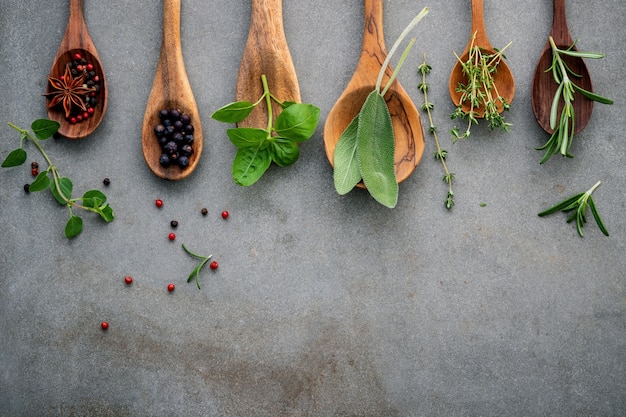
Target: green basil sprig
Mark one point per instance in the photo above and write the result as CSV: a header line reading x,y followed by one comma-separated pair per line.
x,y
278,142
50,178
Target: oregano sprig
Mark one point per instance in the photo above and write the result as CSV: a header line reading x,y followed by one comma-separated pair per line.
x,y
51,179
258,147
563,133
578,204
196,271
441,154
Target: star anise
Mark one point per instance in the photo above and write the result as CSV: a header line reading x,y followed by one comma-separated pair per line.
x,y
69,91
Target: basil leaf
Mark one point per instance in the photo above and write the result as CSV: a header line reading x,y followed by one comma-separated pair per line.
x,y
14,158
44,128
375,149
284,151
233,112
297,122
345,160
73,227
246,137
65,184
250,164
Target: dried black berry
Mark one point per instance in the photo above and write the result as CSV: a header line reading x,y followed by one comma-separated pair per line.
x,y
34,164
159,130
204,211
183,161
170,147
27,188
186,150
174,223
164,160
106,181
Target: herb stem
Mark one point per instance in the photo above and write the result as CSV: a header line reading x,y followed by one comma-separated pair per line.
x,y
268,102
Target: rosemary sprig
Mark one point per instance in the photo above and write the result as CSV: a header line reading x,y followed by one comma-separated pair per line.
x,y
196,271
441,154
480,92
578,204
563,135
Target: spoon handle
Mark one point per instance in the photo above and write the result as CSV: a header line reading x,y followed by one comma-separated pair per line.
x,y
373,33
478,25
76,34
170,43
267,22
560,32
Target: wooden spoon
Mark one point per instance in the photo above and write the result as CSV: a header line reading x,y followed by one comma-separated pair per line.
x,y
407,127
544,87
77,40
266,53
170,90
503,78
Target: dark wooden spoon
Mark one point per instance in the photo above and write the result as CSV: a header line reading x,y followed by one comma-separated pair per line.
x,y
544,87
503,78
266,53
407,127
170,90
77,40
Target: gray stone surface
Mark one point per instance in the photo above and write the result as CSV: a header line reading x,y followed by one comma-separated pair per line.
x,y
323,305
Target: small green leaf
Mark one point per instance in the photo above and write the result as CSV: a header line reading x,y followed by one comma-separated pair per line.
x,y
93,198
345,160
250,164
284,151
73,227
592,96
233,112
41,182
297,122
106,213
66,188
246,137
14,158
44,128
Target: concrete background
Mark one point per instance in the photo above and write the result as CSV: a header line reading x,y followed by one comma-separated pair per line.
x,y
323,305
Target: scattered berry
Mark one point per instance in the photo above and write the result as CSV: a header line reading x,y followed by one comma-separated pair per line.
x,y
204,211
128,280
159,203
34,164
27,188
174,223
213,265
106,181
224,214
104,325
171,287
172,236
34,171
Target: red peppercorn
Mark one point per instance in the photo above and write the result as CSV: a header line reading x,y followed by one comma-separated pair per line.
x,y
89,67
86,115
171,287
79,118
90,110
92,94
128,280
34,171
104,325
73,120
224,215
171,236
159,203
77,56
213,265
96,78
79,67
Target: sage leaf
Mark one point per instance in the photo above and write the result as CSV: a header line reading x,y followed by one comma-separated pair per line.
x,y
246,137
284,152
249,164
73,227
233,112
345,160
44,128
14,158
375,149
41,182
297,122
65,184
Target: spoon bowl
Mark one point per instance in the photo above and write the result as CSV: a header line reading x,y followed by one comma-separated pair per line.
x,y
170,90
503,77
407,127
544,87
77,40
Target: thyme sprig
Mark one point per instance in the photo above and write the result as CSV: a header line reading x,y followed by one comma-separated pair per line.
x,y
441,154
578,204
196,271
480,92
563,134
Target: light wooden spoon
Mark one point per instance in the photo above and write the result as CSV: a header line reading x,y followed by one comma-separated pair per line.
x,y
407,127
170,90
503,78
77,40
266,53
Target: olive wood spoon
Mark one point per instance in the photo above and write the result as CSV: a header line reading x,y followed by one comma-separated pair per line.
x,y
170,90
503,78
544,87
407,127
266,53
77,40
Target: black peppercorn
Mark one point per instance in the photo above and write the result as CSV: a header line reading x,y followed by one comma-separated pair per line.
x,y
27,188
204,211
106,181
174,223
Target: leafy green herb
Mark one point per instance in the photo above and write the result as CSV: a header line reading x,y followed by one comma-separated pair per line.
x,y
480,92
60,187
563,134
196,271
441,154
278,142
578,204
365,150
